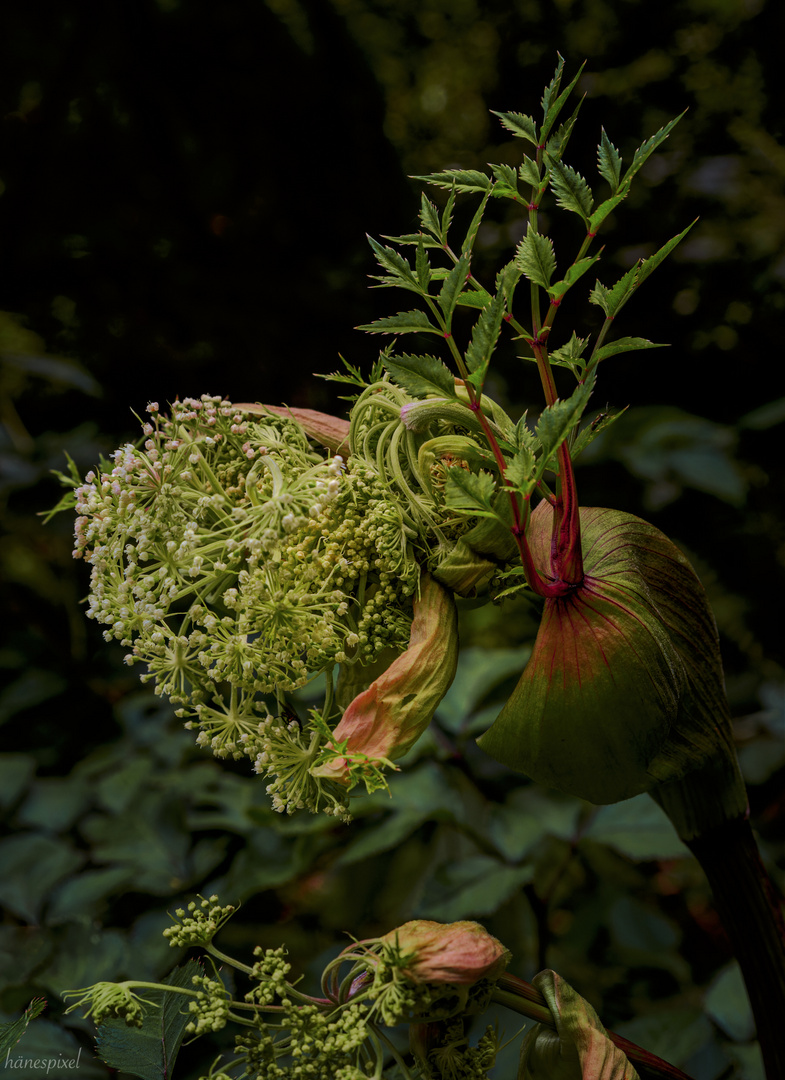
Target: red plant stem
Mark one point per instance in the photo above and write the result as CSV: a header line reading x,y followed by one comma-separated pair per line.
x,y
566,552
527,1000
751,914
519,525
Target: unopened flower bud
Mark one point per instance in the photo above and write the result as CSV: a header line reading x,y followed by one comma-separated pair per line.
x,y
459,953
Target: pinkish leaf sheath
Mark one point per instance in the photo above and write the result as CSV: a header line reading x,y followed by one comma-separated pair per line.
x,y
387,718
624,688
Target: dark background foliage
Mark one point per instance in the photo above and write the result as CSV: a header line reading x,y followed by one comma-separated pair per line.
x,y
185,192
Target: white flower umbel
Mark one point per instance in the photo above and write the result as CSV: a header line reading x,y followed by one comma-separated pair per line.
x,y
235,562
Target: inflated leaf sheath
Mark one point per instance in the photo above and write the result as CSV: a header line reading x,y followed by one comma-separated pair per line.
x,y
624,688
579,1049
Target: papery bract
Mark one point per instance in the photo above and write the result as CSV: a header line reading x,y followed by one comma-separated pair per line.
x,y
385,720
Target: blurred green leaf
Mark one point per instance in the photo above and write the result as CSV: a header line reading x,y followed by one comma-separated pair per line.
x,y
637,828
728,1005
54,803
46,1044
15,773
81,898
673,1034
86,953
32,688
32,863
471,888
479,672
22,950
423,794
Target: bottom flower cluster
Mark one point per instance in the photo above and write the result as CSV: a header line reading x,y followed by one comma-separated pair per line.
x,y
434,977
423,973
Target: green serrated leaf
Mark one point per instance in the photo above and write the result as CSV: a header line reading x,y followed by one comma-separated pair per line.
x,y
571,190
552,89
447,212
395,263
551,107
507,279
413,238
478,298
574,272
600,423
521,126
535,257
10,1034
650,264
558,420
612,299
423,266
520,471
646,149
603,210
405,322
429,217
524,437
471,233
454,284
623,345
571,354
506,185
421,375
484,337
609,162
149,1051
459,180
470,491
530,173
352,375
557,143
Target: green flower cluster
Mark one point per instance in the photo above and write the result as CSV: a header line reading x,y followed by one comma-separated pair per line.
x,y
447,1054
210,1007
199,924
107,999
422,974
236,563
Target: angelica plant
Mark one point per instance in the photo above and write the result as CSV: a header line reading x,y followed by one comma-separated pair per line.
x,y
241,552
430,976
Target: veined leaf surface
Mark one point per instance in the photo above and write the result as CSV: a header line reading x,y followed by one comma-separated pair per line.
x,y
624,687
